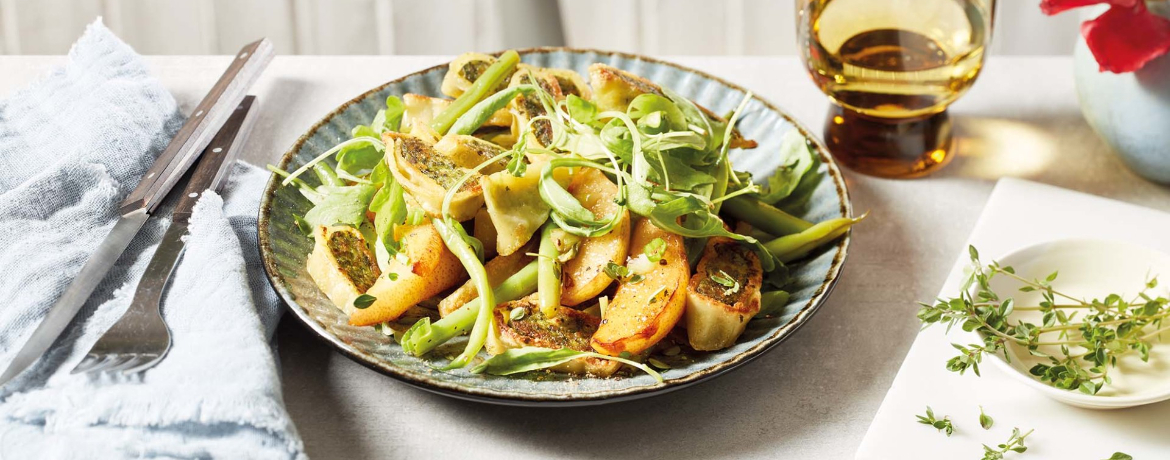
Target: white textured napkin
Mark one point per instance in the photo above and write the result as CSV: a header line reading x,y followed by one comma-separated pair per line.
x,y
71,147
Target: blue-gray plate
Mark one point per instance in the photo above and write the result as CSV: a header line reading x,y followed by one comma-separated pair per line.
x,y
284,248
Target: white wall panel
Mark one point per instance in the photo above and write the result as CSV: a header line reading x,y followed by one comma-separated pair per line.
x,y
665,27
45,26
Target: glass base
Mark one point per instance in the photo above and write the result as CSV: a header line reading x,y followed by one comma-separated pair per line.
x,y
893,148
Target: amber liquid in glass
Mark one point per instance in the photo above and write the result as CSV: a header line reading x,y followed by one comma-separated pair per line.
x,y
892,67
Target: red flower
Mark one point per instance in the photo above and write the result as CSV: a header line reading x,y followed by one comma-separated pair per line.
x,y
1125,37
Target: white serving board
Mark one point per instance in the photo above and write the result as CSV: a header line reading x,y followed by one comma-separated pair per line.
x,y
1018,214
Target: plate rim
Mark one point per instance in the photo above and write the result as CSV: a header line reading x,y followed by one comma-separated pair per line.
x,y
815,302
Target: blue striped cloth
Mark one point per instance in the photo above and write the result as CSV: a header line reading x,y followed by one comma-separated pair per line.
x,y
72,145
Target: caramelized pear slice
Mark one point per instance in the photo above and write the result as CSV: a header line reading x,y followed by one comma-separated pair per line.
x,y
582,277
429,269
644,310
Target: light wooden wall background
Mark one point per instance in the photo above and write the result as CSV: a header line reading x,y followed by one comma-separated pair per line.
x,y
661,27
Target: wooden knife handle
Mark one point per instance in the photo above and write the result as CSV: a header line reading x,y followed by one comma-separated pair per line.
x,y
215,165
211,113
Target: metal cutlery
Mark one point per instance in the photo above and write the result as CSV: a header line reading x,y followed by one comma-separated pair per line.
x,y
211,113
140,339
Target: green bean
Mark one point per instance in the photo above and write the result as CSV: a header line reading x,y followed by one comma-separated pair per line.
x,y
772,303
549,279
327,175
424,336
764,216
481,88
797,245
481,112
454,240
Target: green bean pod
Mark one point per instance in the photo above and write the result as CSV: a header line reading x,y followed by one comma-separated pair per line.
x,y
480,89
467,256
549,279
424,336
764,216
797,245
481,112
772,303
327,175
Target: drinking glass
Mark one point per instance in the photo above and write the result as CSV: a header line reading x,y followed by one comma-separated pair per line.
x,y
891,68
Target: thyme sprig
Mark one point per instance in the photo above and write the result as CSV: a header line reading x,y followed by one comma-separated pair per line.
x,y
1014,444
943,425
1091,335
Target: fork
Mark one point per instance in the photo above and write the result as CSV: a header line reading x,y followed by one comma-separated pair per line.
x,y
141,338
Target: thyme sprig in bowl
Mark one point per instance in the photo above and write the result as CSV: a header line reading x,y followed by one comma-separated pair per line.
x,y
1039,323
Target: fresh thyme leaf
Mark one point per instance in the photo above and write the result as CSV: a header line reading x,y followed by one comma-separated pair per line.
x,y
1088,336
615,271
622,273
1014,444
723,279
363,301
985,420
392,276
943,425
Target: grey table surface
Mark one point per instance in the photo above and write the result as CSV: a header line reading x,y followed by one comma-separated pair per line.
x,y
813,397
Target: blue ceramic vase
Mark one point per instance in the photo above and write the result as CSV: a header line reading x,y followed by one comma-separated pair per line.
x,y
1130,111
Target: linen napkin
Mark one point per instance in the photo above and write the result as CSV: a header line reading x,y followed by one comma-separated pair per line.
x,y
71,147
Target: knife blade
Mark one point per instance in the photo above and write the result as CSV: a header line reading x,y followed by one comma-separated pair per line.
x,y
209,116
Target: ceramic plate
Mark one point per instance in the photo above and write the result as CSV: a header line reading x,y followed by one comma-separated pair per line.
x,y
1089,269
284,248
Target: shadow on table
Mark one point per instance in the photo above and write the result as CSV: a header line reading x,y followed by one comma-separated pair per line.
x,y
312,399
1060,150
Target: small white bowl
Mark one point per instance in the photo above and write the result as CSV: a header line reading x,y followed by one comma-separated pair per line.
x,y
1090,269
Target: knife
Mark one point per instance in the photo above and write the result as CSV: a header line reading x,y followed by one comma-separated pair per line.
x,y
210,172
211,113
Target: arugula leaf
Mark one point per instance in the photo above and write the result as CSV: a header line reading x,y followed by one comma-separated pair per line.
x,y
390,213
341,205
648,103
682,176
392,117
517,360
616,137
567,212
702,223
697,119
795,203
580,109
796,162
